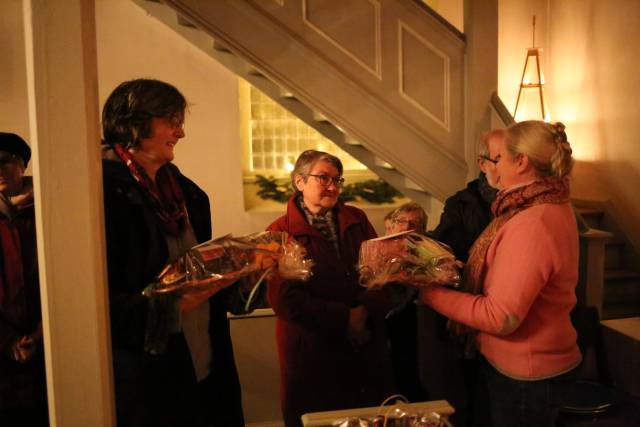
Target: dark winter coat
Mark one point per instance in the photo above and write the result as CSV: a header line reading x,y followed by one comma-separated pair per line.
x,y
319,368
466,214
22,385
160,390
452,377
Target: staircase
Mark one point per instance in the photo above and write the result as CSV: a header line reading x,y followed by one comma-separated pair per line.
x,y
392,97
610,279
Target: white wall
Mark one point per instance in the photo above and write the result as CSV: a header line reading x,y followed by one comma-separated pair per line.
x,y
595,62
451,10
131,45
514,37
591,62
14,114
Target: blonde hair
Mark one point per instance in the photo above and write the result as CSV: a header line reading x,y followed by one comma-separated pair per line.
x,y
483,145
545,144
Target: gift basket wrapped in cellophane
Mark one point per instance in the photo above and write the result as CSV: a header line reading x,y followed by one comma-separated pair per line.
x,y
408,258
398,414
398,418
214,265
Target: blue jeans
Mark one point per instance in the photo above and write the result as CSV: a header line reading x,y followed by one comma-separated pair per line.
x,y
517,403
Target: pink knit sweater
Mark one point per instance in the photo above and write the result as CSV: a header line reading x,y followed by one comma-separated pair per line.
x,y
531,275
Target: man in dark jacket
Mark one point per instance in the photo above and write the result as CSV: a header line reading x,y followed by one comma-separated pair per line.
x,y
465,216
452,375
22,374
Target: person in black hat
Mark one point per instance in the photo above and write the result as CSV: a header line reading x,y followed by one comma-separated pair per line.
x,y
14,157
22,372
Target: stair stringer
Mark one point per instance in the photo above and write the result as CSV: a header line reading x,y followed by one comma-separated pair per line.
x,y
386,134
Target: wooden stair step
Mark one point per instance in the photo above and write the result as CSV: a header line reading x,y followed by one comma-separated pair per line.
x,y
185,22
319,117
592,216
621,310
615,253
621,274
220,47
383,164
621,287
594,233
285,93
253,71
615,241
590,211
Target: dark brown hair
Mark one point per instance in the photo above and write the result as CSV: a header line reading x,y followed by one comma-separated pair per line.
x,y
127,113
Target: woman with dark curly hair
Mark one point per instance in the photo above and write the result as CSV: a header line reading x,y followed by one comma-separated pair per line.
x,y
153,214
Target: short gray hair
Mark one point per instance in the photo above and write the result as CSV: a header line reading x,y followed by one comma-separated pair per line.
x,y
307,159
410,207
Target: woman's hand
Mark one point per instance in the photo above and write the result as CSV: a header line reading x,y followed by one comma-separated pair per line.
x,y
211,286
23,349
359,334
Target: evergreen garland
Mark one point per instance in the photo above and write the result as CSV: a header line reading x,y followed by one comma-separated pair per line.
x,y
271,190
374,191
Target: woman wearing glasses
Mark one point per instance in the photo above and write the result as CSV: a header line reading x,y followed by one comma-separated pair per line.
x,y
153,213
330,330
521,277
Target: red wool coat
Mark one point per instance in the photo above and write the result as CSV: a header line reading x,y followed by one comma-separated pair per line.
x,y
22,385
319,368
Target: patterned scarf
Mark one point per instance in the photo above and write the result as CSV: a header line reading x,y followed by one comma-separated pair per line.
x,y
507,204
165,194
325,224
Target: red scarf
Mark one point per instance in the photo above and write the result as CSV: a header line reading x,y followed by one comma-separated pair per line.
x,y
165,194
506,205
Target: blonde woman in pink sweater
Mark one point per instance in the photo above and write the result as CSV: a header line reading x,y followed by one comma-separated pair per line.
x,y
521,277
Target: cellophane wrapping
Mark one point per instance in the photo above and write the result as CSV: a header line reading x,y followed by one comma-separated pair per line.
x,y
212,265
396,419
408,258
233,258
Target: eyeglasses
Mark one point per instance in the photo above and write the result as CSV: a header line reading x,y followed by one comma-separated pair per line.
x,y
175,120
414,225
326,180
489,159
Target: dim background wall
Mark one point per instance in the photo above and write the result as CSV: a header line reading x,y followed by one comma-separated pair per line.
x,y
14,113
591,66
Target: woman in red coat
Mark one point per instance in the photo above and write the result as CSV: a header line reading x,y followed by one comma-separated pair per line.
x,y
330,331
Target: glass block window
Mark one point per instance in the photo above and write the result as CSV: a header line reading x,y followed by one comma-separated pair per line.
x,y
278,137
